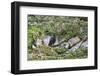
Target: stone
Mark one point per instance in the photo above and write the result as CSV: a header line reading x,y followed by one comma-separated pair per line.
x,y
76,46
56,42
85,44
46,40
73,41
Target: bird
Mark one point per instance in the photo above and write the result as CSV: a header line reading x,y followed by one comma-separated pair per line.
x,y
52,40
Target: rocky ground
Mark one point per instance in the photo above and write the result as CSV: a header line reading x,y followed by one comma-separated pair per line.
x,y
72,49
57,37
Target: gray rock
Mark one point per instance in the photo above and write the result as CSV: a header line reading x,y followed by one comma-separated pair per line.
x,y
46,40
57,42
73,41
84,44
76,46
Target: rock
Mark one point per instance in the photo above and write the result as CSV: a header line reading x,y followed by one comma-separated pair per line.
x,y
76,46
73,41
46,40
52,40
56,42
81,44
85,44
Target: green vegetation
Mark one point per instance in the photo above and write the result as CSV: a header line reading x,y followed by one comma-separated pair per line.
x,y
64,28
